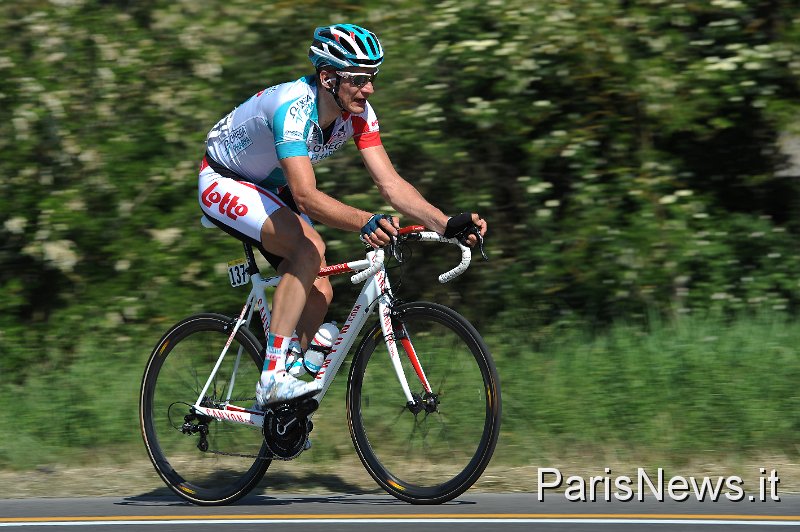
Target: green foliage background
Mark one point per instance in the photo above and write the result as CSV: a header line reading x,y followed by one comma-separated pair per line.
x,y
627,155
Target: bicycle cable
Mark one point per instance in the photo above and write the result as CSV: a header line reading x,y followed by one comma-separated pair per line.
x,y
169,413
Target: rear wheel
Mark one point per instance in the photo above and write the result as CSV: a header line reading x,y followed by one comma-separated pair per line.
x,y
434,450
202,460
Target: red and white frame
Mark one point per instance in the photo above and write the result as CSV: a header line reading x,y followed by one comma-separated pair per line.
x,y
376,291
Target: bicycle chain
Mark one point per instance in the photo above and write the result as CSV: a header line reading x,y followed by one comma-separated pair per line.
x,y
257,457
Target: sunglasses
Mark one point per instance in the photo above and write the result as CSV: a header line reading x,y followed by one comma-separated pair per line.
x,y
359,79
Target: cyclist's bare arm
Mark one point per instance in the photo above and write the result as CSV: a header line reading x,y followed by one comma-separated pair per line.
x,y
322,207
400,193
403,196
325,209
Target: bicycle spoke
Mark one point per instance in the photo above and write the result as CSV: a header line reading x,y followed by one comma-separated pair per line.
x,y
231,461
444,446
441,421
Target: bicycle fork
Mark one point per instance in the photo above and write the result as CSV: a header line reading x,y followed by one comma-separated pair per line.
x,y
394,332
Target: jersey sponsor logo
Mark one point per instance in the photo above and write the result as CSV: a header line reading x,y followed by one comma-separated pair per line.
x,y
314,137
292,134
267,91
237,140
303,105
333,146
221,128
318,152
228,205
340,134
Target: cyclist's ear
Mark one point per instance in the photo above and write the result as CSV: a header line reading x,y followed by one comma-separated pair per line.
x,y
326,78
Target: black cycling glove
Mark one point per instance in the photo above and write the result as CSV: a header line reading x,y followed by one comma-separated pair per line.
x,y
459,225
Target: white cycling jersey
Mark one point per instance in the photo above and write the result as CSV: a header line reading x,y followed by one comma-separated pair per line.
x,y
280,122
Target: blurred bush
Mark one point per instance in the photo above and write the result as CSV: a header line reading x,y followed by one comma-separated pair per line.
x,y
625,154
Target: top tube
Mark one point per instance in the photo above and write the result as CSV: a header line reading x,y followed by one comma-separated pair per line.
x,y
419,232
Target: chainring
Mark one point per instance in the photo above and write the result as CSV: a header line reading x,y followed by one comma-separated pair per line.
x,y
286,429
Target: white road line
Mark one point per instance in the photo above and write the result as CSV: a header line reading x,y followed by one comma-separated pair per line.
x,y
596,521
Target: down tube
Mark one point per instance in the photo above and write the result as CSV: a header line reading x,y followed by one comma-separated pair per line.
x,y
349,332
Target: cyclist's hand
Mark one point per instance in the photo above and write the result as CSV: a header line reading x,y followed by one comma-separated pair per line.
x,y
464,226
380,230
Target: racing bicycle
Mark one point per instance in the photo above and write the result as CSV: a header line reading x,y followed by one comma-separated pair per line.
x,y
423,394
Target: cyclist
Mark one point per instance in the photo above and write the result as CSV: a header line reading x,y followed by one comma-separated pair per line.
x,y
257,183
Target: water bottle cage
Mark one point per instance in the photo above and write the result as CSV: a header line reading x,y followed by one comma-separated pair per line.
x,y
319,348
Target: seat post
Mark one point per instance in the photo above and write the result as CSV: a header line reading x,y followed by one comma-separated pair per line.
x,y
252,267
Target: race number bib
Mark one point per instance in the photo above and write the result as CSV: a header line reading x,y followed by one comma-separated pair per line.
x,y
237,272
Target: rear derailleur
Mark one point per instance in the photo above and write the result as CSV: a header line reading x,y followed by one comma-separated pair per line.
x,y
194,423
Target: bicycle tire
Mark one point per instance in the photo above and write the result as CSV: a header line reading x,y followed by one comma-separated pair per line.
x,y
453,447
173,379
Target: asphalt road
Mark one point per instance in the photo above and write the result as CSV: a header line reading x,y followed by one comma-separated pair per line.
x,y
355,513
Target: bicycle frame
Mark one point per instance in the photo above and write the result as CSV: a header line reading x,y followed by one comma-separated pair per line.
x,y
376,292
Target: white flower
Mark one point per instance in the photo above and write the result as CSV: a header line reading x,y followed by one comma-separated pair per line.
x,y
166,237
666,200
15,225
61,254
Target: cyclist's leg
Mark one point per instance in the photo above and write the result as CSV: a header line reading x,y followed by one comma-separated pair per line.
x,y
321,293
315,310
241,209
319,299
260,216
252,213
286,235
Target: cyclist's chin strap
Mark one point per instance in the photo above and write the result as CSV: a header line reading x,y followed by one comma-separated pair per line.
x,y
334,91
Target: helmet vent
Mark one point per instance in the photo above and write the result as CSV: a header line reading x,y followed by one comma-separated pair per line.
x,y
345,45
371,44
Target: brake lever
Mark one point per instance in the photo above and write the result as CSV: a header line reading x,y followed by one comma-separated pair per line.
x,y
396,253
480,245
475,231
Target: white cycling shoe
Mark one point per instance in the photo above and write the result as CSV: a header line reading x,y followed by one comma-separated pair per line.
x,y
280,387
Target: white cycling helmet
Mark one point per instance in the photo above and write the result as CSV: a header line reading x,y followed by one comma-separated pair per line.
x,y
345,45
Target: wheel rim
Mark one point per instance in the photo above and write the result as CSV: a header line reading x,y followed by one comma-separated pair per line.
x,y
179,373
428,454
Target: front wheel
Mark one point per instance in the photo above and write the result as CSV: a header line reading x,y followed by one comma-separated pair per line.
x,y
433,450
205,461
